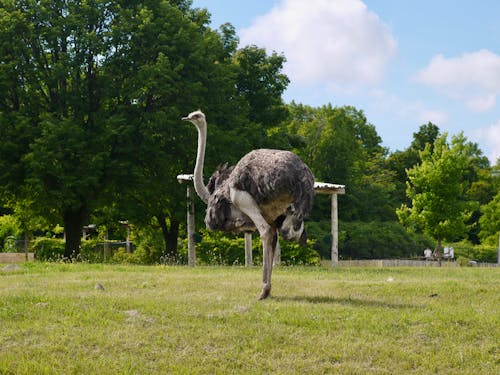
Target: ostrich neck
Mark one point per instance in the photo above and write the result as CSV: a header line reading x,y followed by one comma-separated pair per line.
x,y
199,186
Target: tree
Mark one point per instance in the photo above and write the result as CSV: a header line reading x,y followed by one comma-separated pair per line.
x,y
86,88
400,161
54,104
262,84
437,188
490,221
341,146
93,95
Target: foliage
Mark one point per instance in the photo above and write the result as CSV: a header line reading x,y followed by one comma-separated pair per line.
x,y
48,249
292,254
436,188
112,80
490,221
478,253
341,146
261,83
379,240
138,256
148,246
217,248
52,249
400,161
9,231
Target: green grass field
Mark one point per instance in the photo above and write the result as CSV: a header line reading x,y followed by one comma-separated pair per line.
x,y
207,320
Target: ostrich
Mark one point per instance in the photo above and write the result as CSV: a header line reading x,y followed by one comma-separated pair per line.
x,y
267,190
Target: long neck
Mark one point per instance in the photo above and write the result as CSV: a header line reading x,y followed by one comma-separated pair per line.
x,y
199,186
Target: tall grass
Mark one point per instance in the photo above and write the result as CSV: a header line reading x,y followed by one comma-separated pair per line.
x,y
207,320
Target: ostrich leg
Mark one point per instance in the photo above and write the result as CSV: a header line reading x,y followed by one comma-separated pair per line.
x,y
245,202
269,240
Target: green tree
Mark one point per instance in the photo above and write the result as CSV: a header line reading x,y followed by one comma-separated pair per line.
x,y
54,105
437,188
88,87
261,83
341,146
400,161
490,221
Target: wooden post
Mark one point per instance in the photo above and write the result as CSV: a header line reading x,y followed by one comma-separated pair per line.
x,y
127,241
26,242
335,231
248,249
333,190
190,217
190,226
106,249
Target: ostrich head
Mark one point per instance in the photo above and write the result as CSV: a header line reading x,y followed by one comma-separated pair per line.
x,y
197,118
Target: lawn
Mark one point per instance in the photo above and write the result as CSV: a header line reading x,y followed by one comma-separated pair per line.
x,y
206,320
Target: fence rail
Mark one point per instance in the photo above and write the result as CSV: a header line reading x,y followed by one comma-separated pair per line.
x,y
16,257
407,263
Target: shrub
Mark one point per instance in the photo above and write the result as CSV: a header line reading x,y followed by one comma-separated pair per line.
x,y
89,252
9,232
479,253
294,254
379,240
48,249
229,249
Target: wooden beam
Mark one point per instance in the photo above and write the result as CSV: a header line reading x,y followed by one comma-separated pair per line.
x,y
327,188
190,217
334,190
190,226
335,231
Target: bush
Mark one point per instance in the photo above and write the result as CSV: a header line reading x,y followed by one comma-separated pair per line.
x,y
294,254
89,253
479,253
149,246
229,249
9,232
48,249
379,240
52,250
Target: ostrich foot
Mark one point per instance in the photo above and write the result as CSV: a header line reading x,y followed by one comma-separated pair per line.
x,y
266,292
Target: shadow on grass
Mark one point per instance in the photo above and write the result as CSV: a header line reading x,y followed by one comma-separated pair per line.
x,y
345,301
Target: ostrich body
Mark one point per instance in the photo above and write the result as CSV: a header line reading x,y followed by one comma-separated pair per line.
x,y
267,190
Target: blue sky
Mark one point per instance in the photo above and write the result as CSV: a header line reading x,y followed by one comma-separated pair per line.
x,y
403,63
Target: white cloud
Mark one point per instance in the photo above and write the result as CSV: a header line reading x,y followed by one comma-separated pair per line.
x,y
415,110
491,137
331,42
472,77
481,104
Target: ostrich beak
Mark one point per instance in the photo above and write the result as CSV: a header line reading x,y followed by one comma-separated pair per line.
x,y
185,119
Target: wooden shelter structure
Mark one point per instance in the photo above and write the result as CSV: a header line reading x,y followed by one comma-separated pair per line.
x,y
319,187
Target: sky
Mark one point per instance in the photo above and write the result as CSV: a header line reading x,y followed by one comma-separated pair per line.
x,y
404,63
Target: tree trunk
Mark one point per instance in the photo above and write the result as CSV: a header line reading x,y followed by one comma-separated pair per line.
x,y
170,236
437,251
73,224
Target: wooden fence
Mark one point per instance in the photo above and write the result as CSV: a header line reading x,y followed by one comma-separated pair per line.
x,y
16,257
407,263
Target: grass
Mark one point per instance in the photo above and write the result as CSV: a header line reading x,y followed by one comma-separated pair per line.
x,y
207,320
